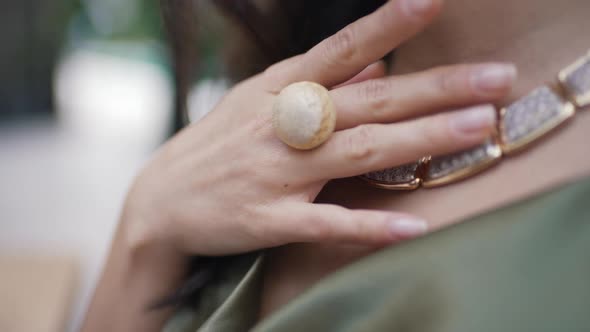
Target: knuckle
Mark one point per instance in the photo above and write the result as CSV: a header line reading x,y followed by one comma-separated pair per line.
x,y
341,47
360,144
443,81
261,125
273,70
320,229
274,75
374,93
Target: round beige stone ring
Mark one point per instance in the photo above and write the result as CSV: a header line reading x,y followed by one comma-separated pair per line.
x,y
303,115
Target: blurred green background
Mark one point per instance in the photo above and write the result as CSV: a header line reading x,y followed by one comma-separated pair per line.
x,y
86,95
36,33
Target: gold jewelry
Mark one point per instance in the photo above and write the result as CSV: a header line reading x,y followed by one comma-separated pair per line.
x,y
521,124
303,115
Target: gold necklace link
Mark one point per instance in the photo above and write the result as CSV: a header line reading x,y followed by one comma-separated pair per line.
x,y
520,125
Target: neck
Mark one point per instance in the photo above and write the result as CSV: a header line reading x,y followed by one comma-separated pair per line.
x,y
539,36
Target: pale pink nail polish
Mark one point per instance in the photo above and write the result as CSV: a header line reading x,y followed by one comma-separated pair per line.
x,y
408,227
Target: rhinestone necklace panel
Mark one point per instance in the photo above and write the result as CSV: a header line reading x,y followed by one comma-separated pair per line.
x,y
521,124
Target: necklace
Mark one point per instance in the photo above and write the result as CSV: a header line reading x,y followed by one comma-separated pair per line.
x,y
521,124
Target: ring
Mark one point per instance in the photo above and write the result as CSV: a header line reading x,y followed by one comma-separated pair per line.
x,y
303,115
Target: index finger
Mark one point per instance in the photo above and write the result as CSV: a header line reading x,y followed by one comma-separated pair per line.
x,y
345,54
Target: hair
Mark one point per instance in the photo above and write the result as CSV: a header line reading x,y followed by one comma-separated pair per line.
x,y
270,31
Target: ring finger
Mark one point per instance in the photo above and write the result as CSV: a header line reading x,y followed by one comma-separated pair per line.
x,y
372,147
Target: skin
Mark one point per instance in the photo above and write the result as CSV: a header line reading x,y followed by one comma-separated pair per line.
x,y
228,185
540,37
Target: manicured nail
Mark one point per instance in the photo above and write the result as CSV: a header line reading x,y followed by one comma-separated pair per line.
x,y
416,7
474,119
494,77
408,227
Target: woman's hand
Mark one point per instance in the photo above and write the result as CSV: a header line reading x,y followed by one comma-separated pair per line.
x,y
227,184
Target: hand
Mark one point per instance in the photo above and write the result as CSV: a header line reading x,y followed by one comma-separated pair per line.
x,y
227,184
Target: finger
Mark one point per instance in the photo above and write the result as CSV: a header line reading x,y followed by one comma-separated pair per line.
x,y
372,147
397,98
373,71
306,222
345,54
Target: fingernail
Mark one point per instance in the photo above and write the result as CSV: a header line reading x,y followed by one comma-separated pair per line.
x,y
416,7
494,77
408,227
474,119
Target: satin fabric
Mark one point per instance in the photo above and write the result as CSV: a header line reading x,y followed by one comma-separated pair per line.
x,y
525,267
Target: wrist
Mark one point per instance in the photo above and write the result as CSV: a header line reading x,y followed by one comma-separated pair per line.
x,y
136,277
146,244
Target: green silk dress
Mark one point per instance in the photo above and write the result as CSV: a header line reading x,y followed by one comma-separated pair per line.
x,y
524,267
